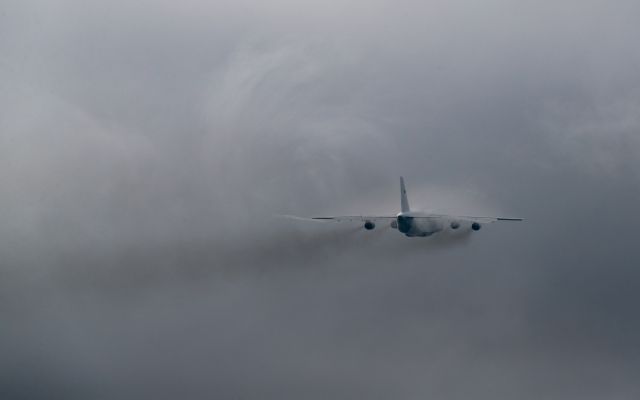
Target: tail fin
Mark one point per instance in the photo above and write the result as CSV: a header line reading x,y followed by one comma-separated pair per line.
x,y
404,202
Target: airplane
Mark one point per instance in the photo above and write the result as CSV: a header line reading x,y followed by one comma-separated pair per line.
x,y
414,223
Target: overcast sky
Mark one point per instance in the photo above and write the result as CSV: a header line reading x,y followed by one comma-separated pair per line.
x,y
146,146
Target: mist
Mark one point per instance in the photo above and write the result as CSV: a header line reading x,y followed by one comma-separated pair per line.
x,y
147,148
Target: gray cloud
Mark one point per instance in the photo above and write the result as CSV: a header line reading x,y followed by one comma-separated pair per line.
x,y
145,148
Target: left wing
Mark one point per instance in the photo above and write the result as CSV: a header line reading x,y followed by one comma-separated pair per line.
x,y
343,218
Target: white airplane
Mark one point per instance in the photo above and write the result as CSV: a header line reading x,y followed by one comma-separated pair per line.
x,y
415,223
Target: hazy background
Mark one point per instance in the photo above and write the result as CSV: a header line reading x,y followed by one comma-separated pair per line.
x,y
145,147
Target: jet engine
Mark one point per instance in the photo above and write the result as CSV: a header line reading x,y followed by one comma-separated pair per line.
x,y
476,226
369,225
455,225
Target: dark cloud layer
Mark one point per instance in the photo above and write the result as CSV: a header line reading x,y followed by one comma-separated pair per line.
x,y
145,149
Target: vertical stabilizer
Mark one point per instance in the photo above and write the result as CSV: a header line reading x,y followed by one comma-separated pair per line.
x,y
404,202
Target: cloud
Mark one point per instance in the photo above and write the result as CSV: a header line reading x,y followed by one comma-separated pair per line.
x,y
145,149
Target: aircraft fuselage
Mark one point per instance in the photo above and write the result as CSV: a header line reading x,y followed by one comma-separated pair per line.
x,y
408,224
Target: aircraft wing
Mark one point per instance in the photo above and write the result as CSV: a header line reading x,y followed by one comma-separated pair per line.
x,y
484,220
364,218
343,218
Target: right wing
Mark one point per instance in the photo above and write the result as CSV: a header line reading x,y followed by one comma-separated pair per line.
x,y
484,220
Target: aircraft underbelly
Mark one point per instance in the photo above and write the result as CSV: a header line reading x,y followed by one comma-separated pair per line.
x,y
427,227
419,226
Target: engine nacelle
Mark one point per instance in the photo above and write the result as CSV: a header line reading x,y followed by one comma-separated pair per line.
x,y
455,225
476,226
369,225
